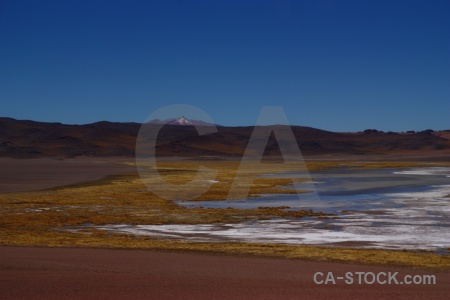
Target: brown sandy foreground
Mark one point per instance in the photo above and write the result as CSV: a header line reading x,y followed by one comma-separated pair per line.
x,y
69,273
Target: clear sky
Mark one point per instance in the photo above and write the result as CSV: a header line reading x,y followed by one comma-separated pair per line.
x,y
335,65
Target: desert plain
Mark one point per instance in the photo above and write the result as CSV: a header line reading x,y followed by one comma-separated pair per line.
x,y
51,247
79,218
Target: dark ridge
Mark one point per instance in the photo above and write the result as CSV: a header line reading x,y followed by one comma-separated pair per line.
x,y
27,139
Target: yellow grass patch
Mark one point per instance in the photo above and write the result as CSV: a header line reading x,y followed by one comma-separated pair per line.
x,y
39,218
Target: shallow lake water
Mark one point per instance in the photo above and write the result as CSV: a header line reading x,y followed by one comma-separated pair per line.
x,y
388,208
337,190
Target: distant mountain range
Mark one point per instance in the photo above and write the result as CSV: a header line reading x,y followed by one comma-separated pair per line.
x,y
25,139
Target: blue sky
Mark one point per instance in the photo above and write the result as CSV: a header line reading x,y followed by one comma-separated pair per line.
x,y
334,65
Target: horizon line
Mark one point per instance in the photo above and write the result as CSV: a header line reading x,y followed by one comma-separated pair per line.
x,y
231,126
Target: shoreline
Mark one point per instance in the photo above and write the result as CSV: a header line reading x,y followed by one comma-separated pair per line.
x,y
81,204
52,172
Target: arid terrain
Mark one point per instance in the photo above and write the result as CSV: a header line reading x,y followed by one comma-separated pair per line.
x,y
26,139
55,273
58,182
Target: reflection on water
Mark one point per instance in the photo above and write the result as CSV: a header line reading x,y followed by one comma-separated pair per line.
x,y
389,209
351,190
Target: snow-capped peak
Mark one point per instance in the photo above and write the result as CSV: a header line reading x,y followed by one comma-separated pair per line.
x,y
181,121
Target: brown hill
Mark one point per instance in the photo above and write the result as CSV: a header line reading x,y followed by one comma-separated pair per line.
x,y
24,139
